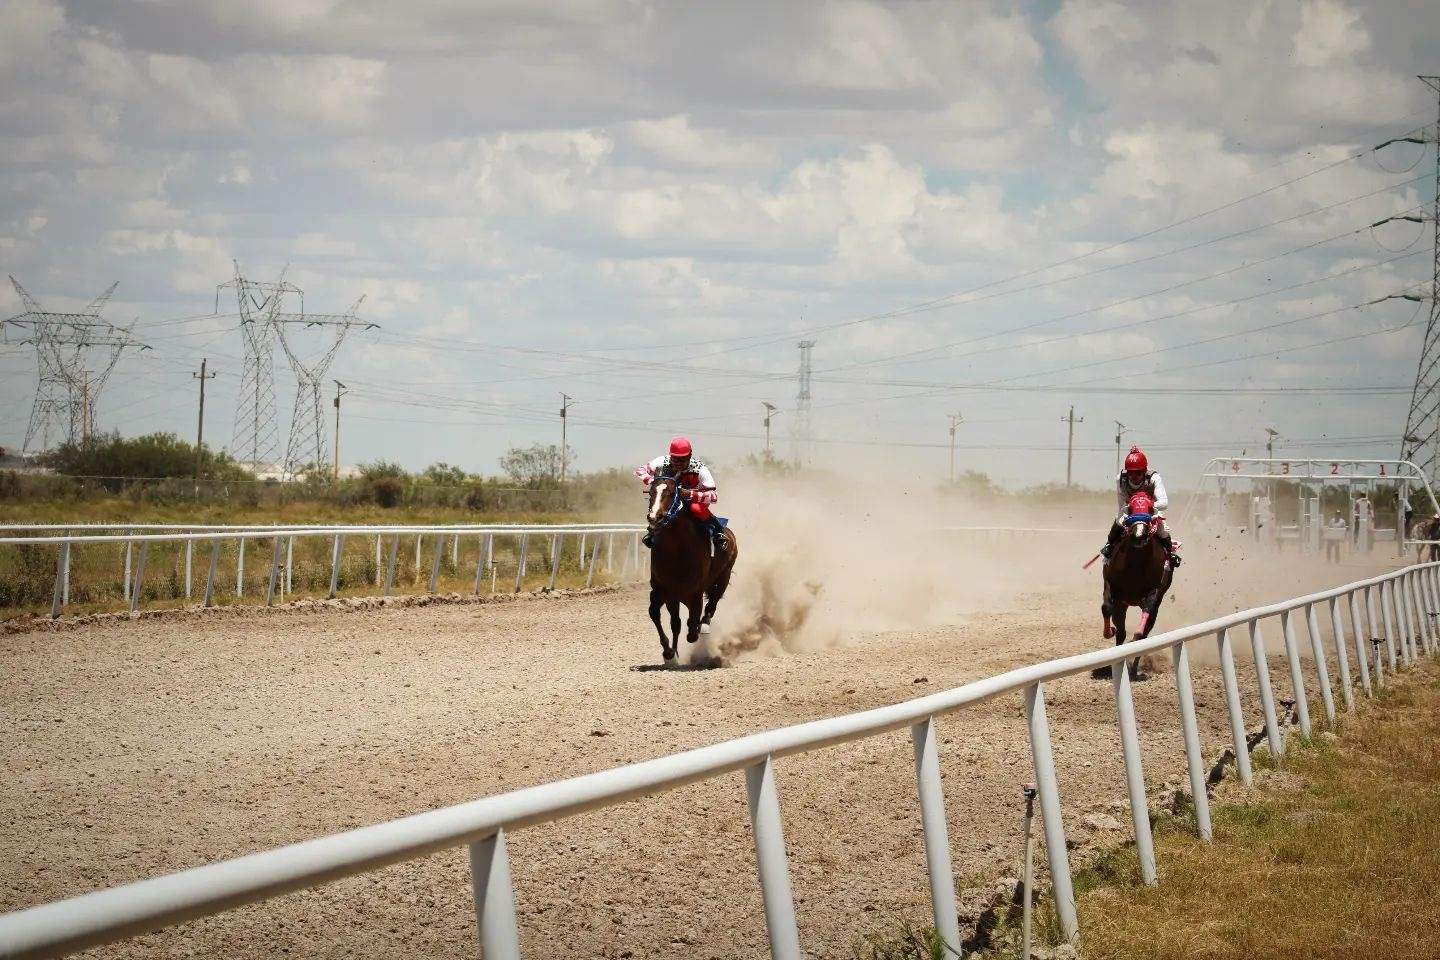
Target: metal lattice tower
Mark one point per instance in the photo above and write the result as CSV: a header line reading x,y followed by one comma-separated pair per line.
x,y
1420,442
803,434
263,321
256,440
75,355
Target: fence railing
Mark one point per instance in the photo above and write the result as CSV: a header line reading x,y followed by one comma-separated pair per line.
x,y
1391,625
279,575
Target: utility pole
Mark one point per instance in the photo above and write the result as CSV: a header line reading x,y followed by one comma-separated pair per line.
x,y
202,376
770,410
955,420
1120,431
1420,441
1070,445
85,417
803,435
564,421
340,391
1270,434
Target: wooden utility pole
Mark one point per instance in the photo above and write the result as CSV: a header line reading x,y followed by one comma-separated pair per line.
x,y
1120,431
202,376
340,390
955,421
1070,444
564,443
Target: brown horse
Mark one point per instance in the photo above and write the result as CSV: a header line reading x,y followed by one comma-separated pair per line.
x,y
681,567
1428,529
1138,575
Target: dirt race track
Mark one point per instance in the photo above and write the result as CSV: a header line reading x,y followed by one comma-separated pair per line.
x,y
142,748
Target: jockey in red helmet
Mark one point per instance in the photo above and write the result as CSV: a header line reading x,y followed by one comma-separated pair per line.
x,y
696,485
1137,477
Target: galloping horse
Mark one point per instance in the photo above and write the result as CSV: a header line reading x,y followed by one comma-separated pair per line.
x,y
1138,575
681,568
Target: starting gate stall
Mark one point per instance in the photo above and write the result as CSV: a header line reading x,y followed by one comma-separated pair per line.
x,y
1262,482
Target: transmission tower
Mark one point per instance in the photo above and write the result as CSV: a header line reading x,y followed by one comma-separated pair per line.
x,y
75,355
263,321
803,427
1420,442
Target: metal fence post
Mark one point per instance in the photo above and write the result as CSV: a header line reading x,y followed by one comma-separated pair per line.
x,y
494,898
129,549
337,548
189,559
1419,640
522,549
1134,770
1362,639
1427,597
274,571
770,857
1194,758
1232,706
610,553
1402,619
1422,610
240,569
210,572
1322,669
435,563
1342,656
1267,695
480,562
590,569
62,560
65,584
390,562
1297,676
557,543
455,552
418,538
378,568
289,566
1387,610
1059,858
937,839
136,588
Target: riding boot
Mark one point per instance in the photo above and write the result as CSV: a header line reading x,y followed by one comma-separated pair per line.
x,y
717,536
648,540
1115,531
1169,545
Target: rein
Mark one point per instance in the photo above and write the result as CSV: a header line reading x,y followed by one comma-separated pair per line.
x,y
1135,518
677,503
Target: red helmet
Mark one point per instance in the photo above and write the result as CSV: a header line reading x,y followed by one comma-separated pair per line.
x,y
1135,460
680,447
1140,503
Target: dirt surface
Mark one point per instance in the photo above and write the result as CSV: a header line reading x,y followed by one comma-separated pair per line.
x,y
142,748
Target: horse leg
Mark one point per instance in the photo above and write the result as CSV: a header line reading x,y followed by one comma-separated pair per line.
x,y
655,619
673,650
694,607
716,593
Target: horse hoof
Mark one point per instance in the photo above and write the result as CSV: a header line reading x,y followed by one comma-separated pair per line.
x,y
1109,630
705,628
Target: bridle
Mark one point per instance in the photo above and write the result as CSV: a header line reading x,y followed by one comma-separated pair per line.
x,y
672,509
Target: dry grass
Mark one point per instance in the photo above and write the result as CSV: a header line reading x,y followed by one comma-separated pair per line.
x,y
1335,855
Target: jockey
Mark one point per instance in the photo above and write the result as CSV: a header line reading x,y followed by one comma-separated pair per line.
x,y
697,486
1137,477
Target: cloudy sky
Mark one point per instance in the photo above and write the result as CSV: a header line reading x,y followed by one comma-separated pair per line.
x,y
1157,213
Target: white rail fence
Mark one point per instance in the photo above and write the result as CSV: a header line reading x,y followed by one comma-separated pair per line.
x,y
1391,626
135,549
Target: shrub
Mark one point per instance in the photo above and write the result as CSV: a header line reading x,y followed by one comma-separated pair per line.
x,y
387,491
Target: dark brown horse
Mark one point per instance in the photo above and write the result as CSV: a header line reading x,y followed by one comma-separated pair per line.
x,y
1428,529
1138,575
681,567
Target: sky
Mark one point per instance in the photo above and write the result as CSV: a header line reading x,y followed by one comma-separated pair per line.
x,y
1157,213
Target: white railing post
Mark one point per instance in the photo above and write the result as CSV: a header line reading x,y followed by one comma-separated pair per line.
x,y
1387,606
1419,640
274,571
494,898
62,561
590,568
391,560
1322,670
1134,771
129,551
210,572
337,548
1360,629
65,584
1297,676
1427,596
1342,656
139,583
480,563
1267,694
1233,707
240,569
937,838
557,544
289,566
1376,640
1194,758
1402,619
1043,758
379,572
435,563
189,559
521,549
1422,610
770,858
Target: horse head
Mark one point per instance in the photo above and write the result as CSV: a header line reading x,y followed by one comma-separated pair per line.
x,y
1139,519
665,504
